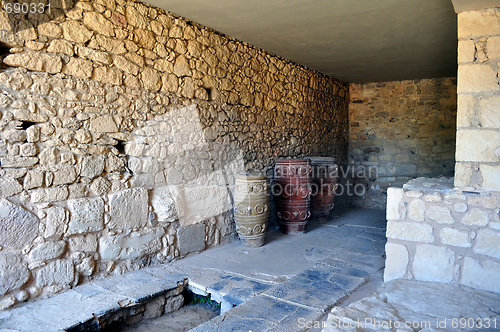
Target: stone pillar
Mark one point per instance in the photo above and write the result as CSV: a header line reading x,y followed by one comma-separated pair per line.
x,y
478,119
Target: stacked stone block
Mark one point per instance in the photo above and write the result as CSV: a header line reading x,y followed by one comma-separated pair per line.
x,y
478,120
399,131
121,130
440,234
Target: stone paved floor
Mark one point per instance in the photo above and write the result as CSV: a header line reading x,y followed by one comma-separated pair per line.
x,y
292,278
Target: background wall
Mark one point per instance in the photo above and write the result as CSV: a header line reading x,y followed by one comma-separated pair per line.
x,y
121,130
399,131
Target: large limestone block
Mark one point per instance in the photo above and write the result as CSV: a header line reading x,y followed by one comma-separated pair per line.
x,y
75,32
396,262
489,114
92,166
163,202
477,78
103,124
49,195
410,231
455,237
59,272
488,243
491,176
196,204
477,145
9,187
433,263
191,238
136,244
35,61
128,209
87,215
55,222
481,274
394,198
47,250
95,21
478,23
13,272
18,227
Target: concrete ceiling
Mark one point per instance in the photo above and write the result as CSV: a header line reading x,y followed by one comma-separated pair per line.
x,y
352,40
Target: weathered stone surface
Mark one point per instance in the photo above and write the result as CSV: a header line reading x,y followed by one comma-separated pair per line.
x,y
477,78
191,238
481,274
439,214
466,51
92,166
13,272
19,162
455,237
9,187
33,179
50,29
394,198
181,67
75,32
84,243
61,46
396,263
98,23
103,124
18,227
86,267
28,150
488,243
410,231
491,176
433,263
107,75
460,207
87,215
477,145
126,65
488,112
58,272
128,209
478,23
476,217
163,203
195,204
136,244
49,195
151,79
170,83
416,210
173,303
78,67
35,61
47,250
64,175
55,222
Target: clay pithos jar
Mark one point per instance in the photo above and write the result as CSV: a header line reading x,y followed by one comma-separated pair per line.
x,y
292,192
323,186
251,208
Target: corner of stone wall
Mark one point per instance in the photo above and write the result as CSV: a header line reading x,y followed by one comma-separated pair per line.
x,y
438,233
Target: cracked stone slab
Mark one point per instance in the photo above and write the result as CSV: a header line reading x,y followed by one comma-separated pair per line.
x,y
262,313
317,287
138,286
430,303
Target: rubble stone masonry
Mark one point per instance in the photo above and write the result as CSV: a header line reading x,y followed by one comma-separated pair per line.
x,y
400,130
121,129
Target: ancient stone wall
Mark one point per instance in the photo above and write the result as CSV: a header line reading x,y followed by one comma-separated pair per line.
x,y
121,131
478,120
441,234
445,233
399,131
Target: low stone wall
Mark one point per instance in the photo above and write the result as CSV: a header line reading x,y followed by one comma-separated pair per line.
x,y
437,233
121,130
398,131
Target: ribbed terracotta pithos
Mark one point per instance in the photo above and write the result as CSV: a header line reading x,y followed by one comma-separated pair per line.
x,y
251,208
292,193
324,184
